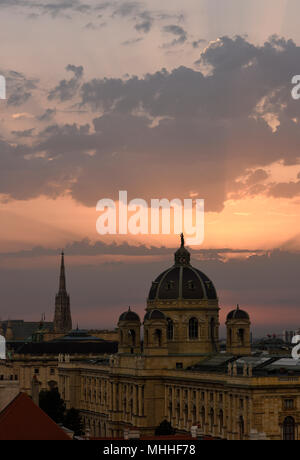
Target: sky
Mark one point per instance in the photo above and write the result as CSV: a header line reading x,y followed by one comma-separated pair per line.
x,y
165,100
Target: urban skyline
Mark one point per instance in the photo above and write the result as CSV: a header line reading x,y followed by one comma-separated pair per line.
x,y
205,86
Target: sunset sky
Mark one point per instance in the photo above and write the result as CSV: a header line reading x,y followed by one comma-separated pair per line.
x,y
165,99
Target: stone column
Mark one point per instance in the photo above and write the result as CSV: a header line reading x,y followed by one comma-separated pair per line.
x,y
173,404
140,401
189,403
135,400
197,407
181,406
114,403
166,400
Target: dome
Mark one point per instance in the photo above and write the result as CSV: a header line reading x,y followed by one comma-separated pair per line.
x,y
154,314
182,281
129,316
237,314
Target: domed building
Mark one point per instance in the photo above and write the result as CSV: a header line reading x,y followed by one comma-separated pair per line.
x,y
129,326
178,374
238,332
189,301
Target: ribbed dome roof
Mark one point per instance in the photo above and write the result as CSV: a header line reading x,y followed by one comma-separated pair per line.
x,y
237,314
129,316
182,281
154,314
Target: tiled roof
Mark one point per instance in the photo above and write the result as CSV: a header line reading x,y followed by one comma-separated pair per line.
x,y
22,419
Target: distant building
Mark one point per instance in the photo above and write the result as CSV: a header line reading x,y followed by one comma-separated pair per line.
x,y
288,335
62,318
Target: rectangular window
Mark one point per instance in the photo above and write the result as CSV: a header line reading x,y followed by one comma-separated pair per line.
x,y
289,404
36,371
179,366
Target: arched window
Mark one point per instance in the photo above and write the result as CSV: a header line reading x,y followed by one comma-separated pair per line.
x,y
157,337
241,336
191,285
131,335
170,329
289,429
169,285
121,337
193,328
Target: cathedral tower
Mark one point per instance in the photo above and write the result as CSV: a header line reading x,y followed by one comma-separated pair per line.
x,y
62,317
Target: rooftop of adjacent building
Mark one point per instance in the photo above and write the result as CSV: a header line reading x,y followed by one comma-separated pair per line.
x,y
68,347
23,330
22,419
261,364
78,335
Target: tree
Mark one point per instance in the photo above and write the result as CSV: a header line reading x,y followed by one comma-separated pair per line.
x,y
51,403
73,421
164,429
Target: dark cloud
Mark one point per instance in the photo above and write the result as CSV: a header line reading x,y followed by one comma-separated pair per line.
x,y
86,248
19,87
285,189
145,25
132,41
196,43
175,126
178,32
93,26
67,89
125,9
25,133
256,176
47,115
58,8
